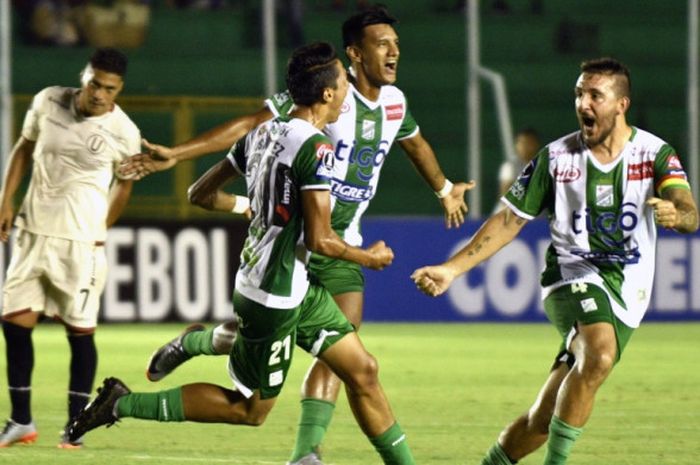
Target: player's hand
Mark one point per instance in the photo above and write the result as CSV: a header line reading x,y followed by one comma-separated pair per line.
x,y
155,158
665,213
433,280
7,214
382,255
454,204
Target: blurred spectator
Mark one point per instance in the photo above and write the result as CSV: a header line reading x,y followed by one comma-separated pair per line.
x,y
52,22
527,144
99,23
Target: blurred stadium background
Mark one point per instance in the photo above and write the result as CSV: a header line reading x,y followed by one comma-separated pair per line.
x,y
453,386
195,66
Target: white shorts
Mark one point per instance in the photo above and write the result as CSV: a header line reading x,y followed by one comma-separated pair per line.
x,y
59,277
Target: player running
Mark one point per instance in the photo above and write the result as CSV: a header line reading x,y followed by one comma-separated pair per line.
x,y
374,115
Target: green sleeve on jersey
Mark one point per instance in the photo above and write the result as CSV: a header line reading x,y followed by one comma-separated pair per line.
x,y
408,125
281,103
532,191
313,165
668,171
237,153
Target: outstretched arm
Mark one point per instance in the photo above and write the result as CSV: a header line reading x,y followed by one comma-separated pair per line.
x,y
20,160
494,234
677,210
159,157
452,200
319,237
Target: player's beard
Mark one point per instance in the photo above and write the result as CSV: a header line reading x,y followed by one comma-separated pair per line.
x,y
605,127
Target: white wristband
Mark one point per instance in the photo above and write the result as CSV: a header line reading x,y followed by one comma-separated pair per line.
x,y
446,189
242,204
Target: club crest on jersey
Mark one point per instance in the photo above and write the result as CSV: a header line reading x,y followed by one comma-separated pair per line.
x,y
604,195
368,128
281,98
394,112
589,305
96,143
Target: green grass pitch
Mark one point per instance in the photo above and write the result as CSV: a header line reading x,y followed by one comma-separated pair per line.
x,y
452,387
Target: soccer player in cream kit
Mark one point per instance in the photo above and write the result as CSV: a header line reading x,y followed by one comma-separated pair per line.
x,y
74,140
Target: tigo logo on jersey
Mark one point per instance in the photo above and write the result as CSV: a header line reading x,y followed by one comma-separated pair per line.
x,y
604,195
368,127
394,112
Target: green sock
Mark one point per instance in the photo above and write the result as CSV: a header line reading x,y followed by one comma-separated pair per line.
x,y
199,342
315,417
496,456
392,447
561,440
161,406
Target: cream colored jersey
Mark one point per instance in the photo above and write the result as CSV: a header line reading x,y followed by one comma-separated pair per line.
x,y
75,159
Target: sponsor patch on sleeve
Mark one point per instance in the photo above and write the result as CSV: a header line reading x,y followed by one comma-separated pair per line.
x,y
394,112
325,154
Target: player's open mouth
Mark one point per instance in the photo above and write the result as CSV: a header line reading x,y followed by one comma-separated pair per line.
x,y
588,121
391,66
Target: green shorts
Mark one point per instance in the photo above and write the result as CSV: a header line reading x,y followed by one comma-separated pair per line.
x,y
262,353
582,303
338,276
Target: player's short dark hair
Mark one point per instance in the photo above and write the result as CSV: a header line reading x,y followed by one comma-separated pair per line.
x,y
353,27
110,60
611,67
311,69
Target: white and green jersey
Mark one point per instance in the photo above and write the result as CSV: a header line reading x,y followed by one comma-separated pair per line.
x,y
602,230
74,161
279,159
362,137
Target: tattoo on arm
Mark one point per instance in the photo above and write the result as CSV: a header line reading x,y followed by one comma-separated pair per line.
x,y
478,245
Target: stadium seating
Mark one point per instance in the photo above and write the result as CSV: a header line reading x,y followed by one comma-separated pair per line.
x,y
537,45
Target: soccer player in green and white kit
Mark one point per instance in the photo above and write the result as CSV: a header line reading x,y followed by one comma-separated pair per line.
x,y
603,187
288,165
374,115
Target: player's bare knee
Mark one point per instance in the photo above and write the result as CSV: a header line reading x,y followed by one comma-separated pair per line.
x,y
597,365
255,416
224,336
365,375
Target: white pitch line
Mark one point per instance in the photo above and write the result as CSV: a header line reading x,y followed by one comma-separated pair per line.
x,y
199,459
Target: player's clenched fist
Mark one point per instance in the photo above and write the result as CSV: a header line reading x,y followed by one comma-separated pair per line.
x,y
433,280
382,255
665,213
